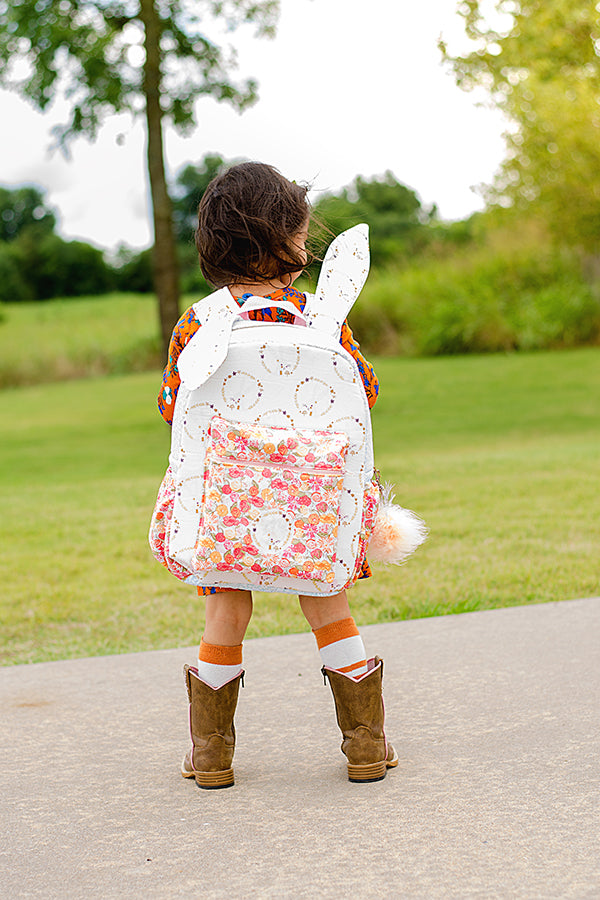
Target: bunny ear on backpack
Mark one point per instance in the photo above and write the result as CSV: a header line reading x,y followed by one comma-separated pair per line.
x,y
207,348
342,277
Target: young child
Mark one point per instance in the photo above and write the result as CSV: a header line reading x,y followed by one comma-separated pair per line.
x,y
251,238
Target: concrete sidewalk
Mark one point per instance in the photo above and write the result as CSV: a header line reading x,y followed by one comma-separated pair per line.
x,y
495,716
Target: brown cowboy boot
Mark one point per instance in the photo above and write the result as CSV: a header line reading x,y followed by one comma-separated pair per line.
x,y
212,729
359,710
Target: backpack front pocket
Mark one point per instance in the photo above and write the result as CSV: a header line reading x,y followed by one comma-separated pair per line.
x,y
271,501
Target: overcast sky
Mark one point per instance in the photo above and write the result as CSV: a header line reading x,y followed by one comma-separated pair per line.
x,y
346,88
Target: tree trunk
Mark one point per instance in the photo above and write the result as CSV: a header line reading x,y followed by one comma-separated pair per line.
x,y
166,274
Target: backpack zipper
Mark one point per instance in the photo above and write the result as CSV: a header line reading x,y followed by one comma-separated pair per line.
x,y
226,461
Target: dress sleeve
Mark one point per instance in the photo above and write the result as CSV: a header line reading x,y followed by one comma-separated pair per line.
x,y
367,373
187,326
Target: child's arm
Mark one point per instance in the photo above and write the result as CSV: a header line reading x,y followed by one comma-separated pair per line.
x,y
187,326
367,373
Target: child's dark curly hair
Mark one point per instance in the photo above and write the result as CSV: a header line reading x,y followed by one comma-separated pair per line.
x,y
247,221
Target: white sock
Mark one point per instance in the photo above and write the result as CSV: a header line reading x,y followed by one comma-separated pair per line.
x,y
218,665
341,647
216,675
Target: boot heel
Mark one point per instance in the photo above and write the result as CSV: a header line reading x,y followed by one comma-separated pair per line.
x,y
214,780
372,772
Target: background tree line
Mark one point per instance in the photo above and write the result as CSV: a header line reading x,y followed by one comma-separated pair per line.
x,y
36,264
523,273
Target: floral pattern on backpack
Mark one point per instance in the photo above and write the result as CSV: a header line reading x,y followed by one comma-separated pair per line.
x,y
160,524
371,499
271,500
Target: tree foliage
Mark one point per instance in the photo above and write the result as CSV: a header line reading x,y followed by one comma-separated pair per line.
x,y
39,266
35,263
22,208
540,63
53,267
133,271
93,52
150,57
393,212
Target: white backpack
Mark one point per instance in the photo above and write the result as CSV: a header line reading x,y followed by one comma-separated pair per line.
x,y
270,484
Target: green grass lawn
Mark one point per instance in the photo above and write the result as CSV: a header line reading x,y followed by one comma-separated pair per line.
x,y
78,337
499,454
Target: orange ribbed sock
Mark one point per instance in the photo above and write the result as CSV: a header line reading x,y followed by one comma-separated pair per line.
x,y
341,647
217,665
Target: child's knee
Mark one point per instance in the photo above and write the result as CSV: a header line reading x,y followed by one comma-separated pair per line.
x,y
320,611
234,607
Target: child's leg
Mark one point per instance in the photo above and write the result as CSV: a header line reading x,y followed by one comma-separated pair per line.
x,y
338,639
213,689
320,611
356,685
227,616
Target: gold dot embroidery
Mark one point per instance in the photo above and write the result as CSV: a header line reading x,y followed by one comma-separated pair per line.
x,y
342,371
273,417
319,404
200,427
354,425
278,366
354,498
236,391
190,495
345,567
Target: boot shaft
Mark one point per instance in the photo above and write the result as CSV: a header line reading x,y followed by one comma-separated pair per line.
x,y
212,729
360,715
358,703
211,709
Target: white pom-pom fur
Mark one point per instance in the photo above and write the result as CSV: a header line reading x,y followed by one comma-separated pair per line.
x,y
397,531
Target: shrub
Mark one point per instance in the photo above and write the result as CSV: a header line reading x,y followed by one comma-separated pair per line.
x,y
486,301
133,271
51,267
192,279
559,315
13,286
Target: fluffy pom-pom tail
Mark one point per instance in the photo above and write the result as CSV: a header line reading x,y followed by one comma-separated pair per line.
x,y
397,531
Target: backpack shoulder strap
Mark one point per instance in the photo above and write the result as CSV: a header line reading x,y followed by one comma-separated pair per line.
x,y
208,347
342,277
